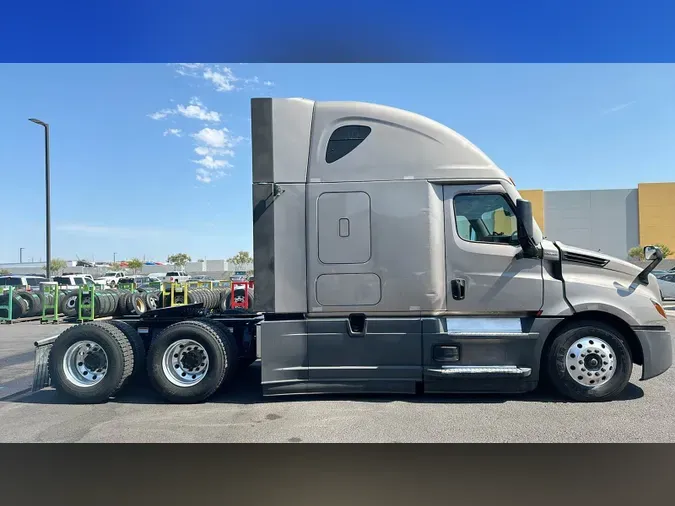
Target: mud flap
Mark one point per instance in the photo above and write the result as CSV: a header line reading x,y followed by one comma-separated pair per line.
x,y
41,377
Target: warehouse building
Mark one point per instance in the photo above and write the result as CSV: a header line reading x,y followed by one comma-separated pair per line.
x,y
610,221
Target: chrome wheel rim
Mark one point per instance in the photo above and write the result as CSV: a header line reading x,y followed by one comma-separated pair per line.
x,y
185,363
591,362
85,364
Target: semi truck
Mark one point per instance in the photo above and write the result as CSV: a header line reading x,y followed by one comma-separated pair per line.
x,y
391,256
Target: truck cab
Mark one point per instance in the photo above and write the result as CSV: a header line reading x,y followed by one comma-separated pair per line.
x,y
390,252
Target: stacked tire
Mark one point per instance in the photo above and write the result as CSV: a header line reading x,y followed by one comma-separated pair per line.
x,y
105,303
25,304
187,362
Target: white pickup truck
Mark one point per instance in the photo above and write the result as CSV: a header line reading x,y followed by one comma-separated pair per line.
x,y
110,278
74,281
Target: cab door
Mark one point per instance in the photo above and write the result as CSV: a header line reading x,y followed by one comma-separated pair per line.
x,y
485,267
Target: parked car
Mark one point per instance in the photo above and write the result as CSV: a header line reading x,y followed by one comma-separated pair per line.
x,y
201,277
176,277
158,275
74,281
30,283
667,285
111,278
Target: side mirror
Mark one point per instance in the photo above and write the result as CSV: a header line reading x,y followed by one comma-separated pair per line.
x,y
652,253
525,223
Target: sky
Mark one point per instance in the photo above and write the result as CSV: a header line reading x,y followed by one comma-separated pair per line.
x,y
148,160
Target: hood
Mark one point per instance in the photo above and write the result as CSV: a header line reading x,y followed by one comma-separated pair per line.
x,y
597,259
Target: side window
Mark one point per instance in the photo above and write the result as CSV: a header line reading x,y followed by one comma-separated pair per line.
x,y
485,217
344,140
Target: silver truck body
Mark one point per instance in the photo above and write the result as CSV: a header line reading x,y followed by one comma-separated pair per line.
x,y
386,257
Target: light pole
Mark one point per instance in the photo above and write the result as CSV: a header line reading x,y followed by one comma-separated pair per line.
x,y
21,255
114,258
47,193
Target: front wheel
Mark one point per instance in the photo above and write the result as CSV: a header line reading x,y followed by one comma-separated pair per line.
x,y
590,361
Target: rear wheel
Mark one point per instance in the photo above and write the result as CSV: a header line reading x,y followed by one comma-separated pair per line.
x,y
90,362
590,361
137,345
188,361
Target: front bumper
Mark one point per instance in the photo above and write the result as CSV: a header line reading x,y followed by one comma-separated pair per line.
x,y
657,349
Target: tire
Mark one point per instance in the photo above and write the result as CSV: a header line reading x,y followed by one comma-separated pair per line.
x,y
123,303
594,338
120,362
33,303
69,304
19,306
151,300
223,304
137,346
218,347
137,303
101,302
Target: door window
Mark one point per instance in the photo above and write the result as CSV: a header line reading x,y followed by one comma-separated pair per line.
x,y
485,217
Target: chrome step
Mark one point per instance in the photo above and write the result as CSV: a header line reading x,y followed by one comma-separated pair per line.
x,y
472,370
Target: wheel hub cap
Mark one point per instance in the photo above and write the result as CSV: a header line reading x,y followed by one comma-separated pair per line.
x,y
185,363
591,361
85,363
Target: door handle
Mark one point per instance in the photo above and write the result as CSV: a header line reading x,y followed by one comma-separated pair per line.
x,y
458,287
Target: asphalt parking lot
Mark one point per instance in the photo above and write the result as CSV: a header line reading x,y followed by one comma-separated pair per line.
x,y
644,414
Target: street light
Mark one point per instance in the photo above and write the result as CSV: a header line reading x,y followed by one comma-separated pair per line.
x,y
114,258
21,255
47,191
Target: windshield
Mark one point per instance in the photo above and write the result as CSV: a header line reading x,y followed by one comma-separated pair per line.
x,y
80,281
110,275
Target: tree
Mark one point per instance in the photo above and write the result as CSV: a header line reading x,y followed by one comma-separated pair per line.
x,y
56,265
4,272
179,259
135,264
636,253
665,250
241,258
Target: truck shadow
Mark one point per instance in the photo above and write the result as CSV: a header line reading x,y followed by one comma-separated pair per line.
x,y
246,390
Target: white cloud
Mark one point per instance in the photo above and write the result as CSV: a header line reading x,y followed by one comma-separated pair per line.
x,y
203,176
188,69
215,138
195,110
209,162
220,76
223,79
204,151
160,114
617,108
207,176
173,131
